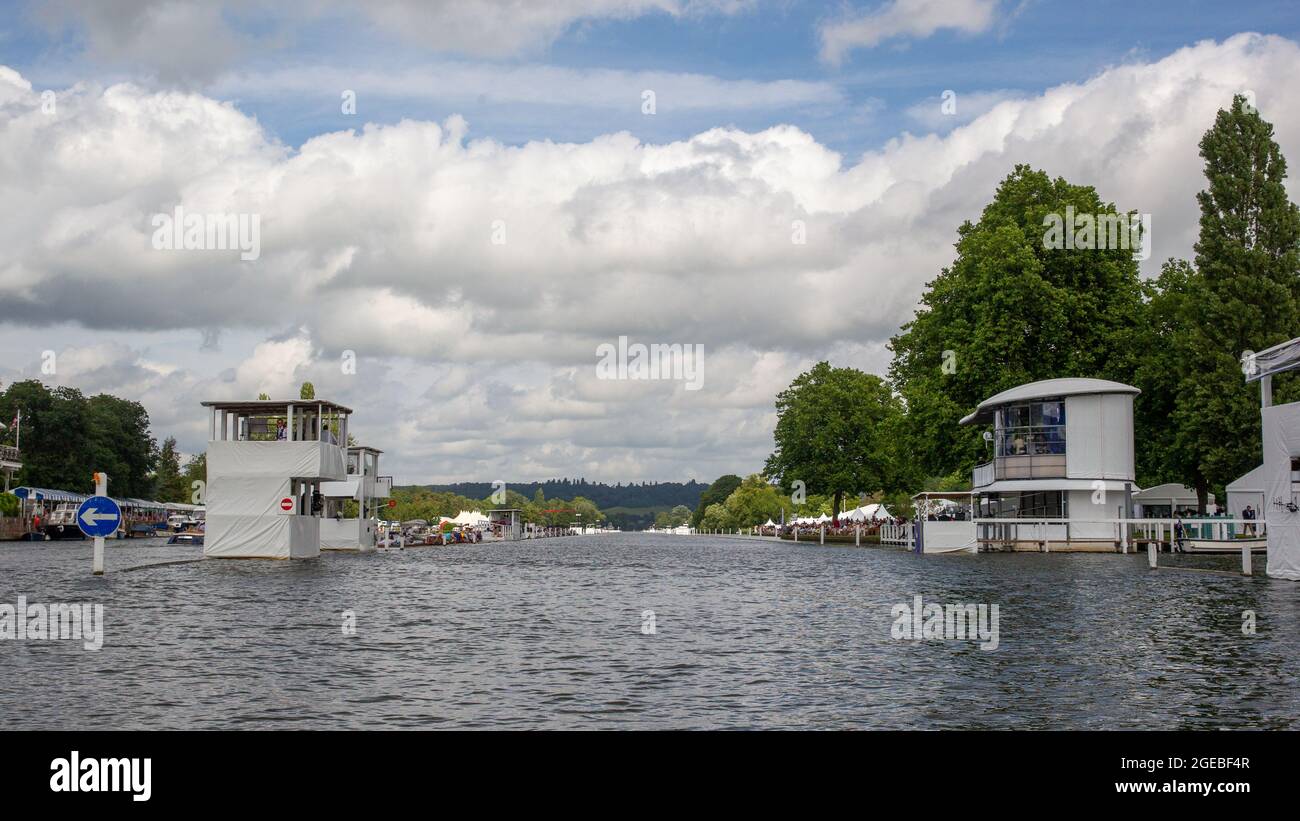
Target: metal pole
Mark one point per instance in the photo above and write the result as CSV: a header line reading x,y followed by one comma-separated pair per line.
x,y
101,489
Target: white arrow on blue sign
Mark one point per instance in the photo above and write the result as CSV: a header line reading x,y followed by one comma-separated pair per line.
x,y
99,516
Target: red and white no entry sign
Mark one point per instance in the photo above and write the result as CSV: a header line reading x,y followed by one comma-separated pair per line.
x,y
286,503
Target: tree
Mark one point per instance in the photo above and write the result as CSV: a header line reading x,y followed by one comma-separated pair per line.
x,y
169,485
1244,295
753,503
715,493
715,518
1010,311
196,470
307,391
836,431
262,397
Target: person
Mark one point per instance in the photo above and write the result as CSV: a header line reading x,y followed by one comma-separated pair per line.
x,y
1178,534
281,432
1249,515
327,435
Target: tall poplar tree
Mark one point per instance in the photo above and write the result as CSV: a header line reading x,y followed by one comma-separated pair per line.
x,y
1245,296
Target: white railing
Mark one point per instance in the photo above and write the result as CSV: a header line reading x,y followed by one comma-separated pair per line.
x,y
896,534
982,476
1125,533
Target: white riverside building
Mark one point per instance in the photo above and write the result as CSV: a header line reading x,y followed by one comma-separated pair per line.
x,y
368,489
1062,455
260,488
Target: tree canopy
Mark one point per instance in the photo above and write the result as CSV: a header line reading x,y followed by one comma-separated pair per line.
x,y
1009,311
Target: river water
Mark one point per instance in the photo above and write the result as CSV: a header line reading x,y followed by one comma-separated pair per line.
x,y
552,634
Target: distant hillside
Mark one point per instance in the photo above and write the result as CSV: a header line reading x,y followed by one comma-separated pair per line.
x,y
644,494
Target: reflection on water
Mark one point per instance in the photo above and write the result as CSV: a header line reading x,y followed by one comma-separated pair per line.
x,y
550,634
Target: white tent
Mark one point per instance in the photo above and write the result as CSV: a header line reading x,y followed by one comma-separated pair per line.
x,y
867,513
475,519
1247,489
769,523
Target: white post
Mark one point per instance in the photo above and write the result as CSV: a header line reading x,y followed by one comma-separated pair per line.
x,y
1151,554
857,535
101,489
1245,558
796,533
822,538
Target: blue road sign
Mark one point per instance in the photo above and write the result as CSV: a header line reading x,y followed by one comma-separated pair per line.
x,y
99,516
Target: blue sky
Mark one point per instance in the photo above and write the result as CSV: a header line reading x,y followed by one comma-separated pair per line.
x,y
1032,45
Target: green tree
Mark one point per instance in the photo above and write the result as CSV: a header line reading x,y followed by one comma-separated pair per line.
x,y
753,503
307,391
836,431
196,470
1009,311
1244,296
715,493
169,484
715,518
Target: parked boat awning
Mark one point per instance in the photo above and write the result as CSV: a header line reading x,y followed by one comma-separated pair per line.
x,y
43,494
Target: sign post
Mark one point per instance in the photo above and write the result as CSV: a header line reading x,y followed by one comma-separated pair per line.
x,y
99,516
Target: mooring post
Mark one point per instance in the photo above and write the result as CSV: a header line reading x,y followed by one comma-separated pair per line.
x,y
822,538
1151,555
857,535
1245,558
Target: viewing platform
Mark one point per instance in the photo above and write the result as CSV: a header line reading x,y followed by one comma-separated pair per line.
x,y
267,460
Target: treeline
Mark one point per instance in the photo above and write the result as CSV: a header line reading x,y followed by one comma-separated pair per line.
x,y
1013,309
644,494
66,436
427,504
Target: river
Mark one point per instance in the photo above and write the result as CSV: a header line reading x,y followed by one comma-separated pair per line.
x,y
555,634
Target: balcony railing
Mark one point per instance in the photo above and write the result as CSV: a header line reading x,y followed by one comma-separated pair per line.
x,y
983,475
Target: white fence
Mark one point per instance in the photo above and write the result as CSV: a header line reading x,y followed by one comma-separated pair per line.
x,y
1125,533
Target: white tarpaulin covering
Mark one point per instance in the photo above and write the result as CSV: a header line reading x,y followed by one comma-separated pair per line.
x,y
1281,444
247,480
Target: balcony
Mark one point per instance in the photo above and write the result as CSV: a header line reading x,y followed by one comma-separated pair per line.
x,y
1037,466
10,455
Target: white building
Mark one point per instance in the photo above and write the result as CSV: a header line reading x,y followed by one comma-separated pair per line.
x,y
368,489
1062,458
266,462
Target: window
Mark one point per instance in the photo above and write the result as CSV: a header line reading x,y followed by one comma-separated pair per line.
x,y
1048,504
1031,429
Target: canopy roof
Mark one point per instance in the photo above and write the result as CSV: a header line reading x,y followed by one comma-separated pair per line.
x,y
256,407
1045,389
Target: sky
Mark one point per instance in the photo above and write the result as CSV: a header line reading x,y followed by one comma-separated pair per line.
x,y
469,199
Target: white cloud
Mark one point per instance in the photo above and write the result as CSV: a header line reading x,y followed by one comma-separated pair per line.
x,y
904,19
477,360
